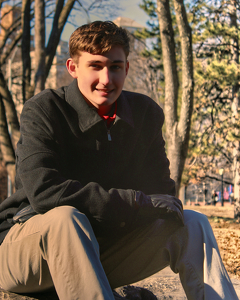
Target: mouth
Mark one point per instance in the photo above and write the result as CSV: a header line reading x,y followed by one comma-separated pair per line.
x,y
104,91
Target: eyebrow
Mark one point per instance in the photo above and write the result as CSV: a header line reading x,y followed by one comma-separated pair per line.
x,y
99,62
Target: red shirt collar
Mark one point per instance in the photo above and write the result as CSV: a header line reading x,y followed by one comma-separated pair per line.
x,y
109,119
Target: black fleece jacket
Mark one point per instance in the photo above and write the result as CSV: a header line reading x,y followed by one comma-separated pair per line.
x,y
64,157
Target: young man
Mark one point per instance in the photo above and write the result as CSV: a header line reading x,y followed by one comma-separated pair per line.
x,y
92,165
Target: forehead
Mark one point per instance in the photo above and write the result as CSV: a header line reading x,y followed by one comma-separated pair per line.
x,y
116,54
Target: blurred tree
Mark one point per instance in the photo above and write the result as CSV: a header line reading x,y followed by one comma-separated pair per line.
x,y
151,55
215,135
19,22
145,73
174,49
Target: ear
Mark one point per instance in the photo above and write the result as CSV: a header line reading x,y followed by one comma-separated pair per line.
x,y
127,67
71,67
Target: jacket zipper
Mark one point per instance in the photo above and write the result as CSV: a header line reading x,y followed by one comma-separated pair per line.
x,y
109,135
108,131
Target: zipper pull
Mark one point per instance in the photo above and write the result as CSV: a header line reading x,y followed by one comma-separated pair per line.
x,y
109,136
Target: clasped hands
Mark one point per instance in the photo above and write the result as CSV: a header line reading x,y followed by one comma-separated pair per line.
x,y
160,206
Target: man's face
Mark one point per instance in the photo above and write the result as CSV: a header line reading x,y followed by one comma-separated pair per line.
x,y
100,77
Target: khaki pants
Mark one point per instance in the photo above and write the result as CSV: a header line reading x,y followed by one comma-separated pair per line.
x,y
59,249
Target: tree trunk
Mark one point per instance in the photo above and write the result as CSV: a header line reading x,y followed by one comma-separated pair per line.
x,y
39,46
10,111
27,90
6,144
60,18
177,131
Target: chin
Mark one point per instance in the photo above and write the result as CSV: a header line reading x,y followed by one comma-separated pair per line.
x,y
105,102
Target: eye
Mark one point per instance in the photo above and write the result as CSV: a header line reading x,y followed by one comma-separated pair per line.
x,y
95,66
116,67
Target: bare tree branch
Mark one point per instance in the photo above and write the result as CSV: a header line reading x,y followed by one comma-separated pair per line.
x,y
10,48
9,32
39,46
60,18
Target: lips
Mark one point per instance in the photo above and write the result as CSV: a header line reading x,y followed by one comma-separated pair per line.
x,y
104,91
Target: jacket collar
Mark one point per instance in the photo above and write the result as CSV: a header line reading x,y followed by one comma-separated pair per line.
x,y
88,116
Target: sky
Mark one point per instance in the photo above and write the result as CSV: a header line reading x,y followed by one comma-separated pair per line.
x,y
130,9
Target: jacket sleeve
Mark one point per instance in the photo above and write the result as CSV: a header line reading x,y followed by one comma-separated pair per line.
x,y
156,178
39,174
155,173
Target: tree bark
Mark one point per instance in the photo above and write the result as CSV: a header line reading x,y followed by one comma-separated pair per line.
x,y
177,131
39,46
6,144
10,111
169,62
27,90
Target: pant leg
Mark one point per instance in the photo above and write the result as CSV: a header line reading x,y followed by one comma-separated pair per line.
x,y
58,248
191,251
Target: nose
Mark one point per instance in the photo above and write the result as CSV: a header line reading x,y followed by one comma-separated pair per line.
x,y
105,76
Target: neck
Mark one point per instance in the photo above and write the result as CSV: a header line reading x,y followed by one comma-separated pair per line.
x,y
104,110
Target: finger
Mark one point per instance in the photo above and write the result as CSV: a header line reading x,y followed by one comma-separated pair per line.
x,y
178,201
178,205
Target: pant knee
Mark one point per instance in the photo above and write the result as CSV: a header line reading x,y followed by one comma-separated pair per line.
x,y
64,215
191,216
67,221
62,212
199,228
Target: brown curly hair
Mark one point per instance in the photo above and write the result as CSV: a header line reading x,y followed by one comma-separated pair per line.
x,y
98,38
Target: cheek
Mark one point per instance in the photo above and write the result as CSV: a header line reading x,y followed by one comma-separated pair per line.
x,y
86,82
119,80
90,80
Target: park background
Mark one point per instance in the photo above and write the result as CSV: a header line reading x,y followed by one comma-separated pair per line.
x,y
185,55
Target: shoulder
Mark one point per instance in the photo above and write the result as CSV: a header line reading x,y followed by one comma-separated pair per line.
x,y
47,101
47,96
141,100
145,106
